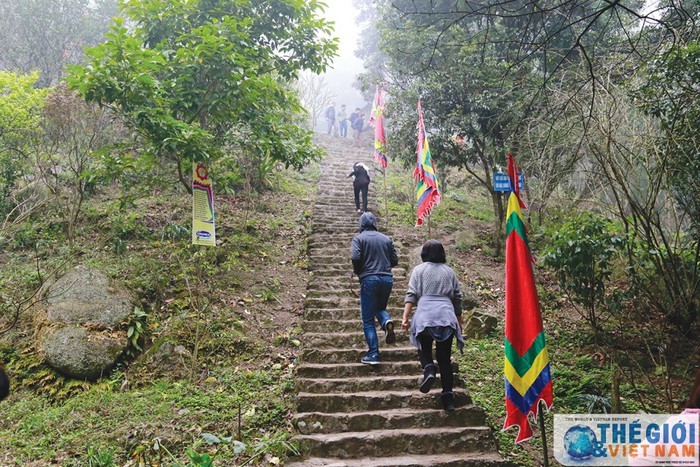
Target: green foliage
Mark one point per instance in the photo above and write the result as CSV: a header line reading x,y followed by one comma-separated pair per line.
x,y
137,329
20,105
194,78
199,460
174,231
99,458
582,253
20,112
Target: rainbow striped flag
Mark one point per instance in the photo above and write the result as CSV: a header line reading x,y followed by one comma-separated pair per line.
x,y
527,377
376,118
428,191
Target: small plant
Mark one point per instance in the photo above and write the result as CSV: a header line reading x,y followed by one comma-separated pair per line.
x,y
595,403
97,458
174,231
199,460
137,329
150,453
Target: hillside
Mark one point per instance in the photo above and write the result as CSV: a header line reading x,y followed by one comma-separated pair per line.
x,y
222,330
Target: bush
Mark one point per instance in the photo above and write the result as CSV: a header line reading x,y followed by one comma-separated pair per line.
x,y
582,253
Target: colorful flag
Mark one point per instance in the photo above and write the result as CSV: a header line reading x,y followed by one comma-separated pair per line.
x,y
526,365
203,228
376,118
427,192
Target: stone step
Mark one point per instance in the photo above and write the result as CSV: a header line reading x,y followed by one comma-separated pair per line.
x,y
345,298
334,326
347,340
349,313
330,303
358,369
365,383
320,287
390,353
475,459
382,443
318,422
360,415
375,400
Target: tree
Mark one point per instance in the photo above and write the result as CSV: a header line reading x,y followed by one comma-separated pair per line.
x,y
67,154
314,94
670,91
471,111
47,35
20,114
629,176
194,77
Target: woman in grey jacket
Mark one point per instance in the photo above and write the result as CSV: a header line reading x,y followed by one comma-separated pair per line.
x,y
434,289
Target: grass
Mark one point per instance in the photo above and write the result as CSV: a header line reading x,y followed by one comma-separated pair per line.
x,y
176,412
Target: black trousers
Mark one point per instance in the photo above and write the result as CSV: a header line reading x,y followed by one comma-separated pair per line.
x,y
443,352
364,188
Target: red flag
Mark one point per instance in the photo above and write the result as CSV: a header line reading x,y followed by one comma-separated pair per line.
x,y
526,365
427,191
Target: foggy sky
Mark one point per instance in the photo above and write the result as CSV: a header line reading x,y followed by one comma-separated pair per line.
x,y
346,65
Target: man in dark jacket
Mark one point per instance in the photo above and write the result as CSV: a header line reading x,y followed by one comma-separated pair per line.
x,y
373,255
357,125
360,174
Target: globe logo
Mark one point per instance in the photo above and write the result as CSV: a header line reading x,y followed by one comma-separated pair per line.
x,y
580,442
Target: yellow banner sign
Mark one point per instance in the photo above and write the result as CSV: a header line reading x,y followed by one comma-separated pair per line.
x,y
203,231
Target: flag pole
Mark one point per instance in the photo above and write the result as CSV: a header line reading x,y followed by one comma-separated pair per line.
x,y
543,433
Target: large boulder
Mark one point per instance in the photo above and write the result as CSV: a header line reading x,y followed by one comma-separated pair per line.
x,y
85,296
83,335
82,354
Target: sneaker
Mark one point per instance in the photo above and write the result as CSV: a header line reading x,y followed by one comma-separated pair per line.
x,y
374,360
390,336
359,211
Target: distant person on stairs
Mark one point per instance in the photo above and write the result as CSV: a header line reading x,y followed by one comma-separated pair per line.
x,y
434,288
373,255
330,118
342,117
357,126
360,174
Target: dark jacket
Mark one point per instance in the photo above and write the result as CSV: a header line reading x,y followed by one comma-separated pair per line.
x,y
357,124
361,175
371,252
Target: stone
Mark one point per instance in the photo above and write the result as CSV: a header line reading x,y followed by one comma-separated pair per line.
x,y
85,295
80,354
478,323
83,333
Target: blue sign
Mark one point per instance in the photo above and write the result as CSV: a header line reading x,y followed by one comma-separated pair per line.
x,y
502,183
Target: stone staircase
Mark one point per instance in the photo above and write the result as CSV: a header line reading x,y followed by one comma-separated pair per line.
x,y
350,414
